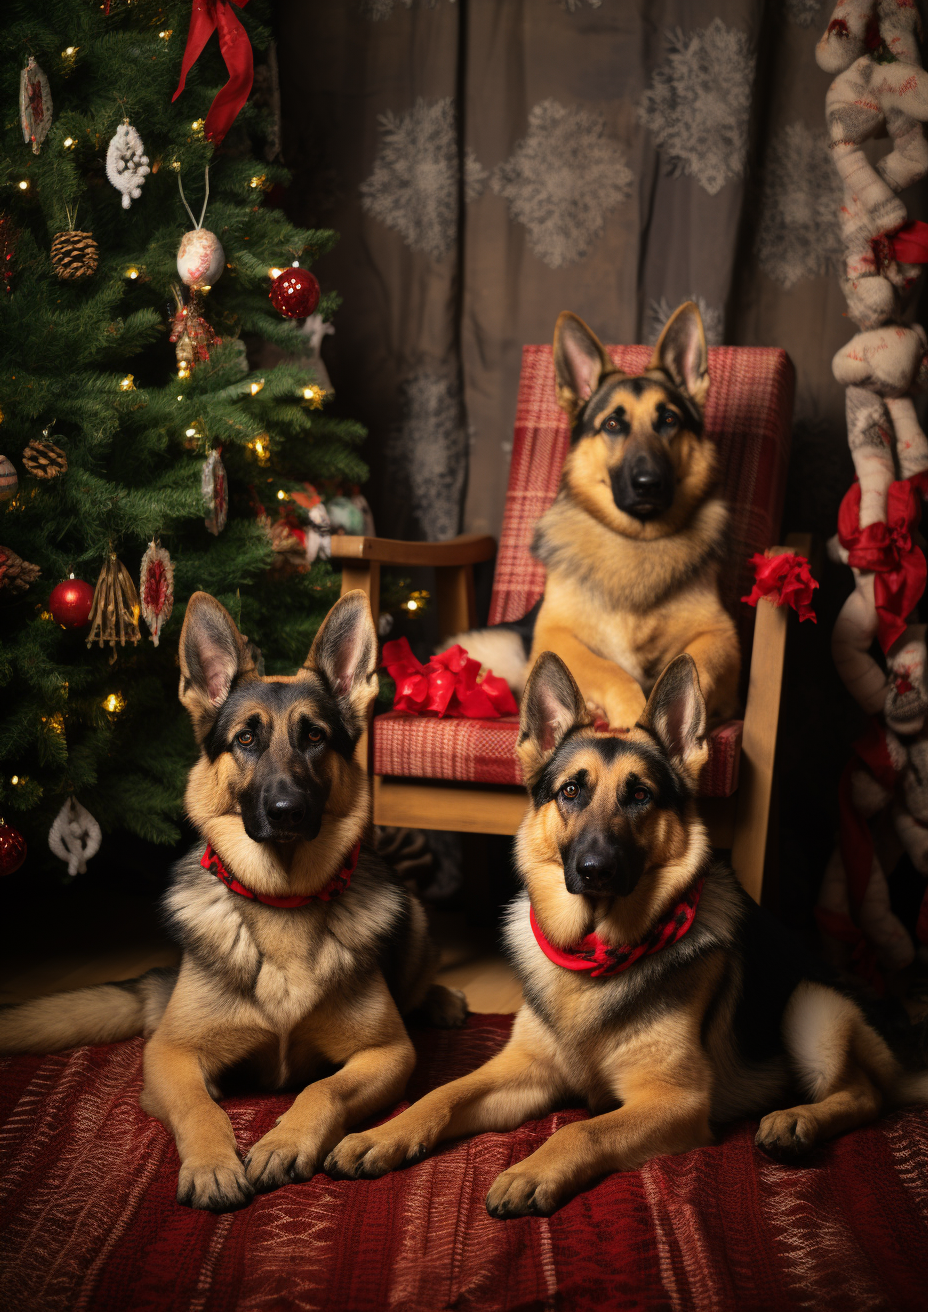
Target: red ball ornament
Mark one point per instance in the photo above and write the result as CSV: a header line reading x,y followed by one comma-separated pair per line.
x,y
12,849
295,293
70,603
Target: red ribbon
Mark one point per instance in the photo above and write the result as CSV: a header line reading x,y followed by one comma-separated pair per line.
x,y
212,861
451,684
889,551
784,580
207,17
596,957
907,244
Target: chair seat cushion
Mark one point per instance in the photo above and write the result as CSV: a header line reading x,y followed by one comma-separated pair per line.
x,y
484,751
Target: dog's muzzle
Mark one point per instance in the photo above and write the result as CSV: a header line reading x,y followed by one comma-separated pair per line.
x,y
279,814
643,486
600,868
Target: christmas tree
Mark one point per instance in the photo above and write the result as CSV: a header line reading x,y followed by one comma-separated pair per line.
x,y
121,388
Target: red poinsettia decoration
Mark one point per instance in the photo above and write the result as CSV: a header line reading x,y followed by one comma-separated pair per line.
x,y
451,684
785,580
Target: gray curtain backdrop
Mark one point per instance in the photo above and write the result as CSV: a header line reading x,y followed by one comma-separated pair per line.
x,y
489,163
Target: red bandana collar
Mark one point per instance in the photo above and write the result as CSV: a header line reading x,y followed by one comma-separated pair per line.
x,y
212,861
598,958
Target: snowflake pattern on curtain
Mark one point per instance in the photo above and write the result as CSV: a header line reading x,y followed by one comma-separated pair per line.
x,y
562,180
803,12
699,102
797,236
713,320
413,187
430,443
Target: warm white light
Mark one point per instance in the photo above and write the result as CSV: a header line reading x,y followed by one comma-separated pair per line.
x,y
275,273
68,143
191,432
132,272
281,495
70,52
15,779
256,387
24,185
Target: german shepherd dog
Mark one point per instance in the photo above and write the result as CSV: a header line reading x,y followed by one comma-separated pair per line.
x,y
656,991
301,956
635,538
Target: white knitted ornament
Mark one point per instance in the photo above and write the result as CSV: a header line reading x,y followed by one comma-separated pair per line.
x,y
75,836
127,164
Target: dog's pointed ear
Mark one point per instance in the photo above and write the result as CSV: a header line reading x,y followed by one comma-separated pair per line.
x,y
580,360
676,715
551,705
682,352
212,654
345,653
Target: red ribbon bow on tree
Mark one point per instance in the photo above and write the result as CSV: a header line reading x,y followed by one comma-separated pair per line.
x,y
785,580
888,550
450,684
207,17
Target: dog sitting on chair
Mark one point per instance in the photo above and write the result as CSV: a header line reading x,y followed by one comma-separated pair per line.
x,y
301,952
657,992
634,541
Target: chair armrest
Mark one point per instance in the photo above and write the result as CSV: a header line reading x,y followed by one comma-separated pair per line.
x,y
467,549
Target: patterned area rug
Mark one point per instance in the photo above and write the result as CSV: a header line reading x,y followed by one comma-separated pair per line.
x,y
88,1217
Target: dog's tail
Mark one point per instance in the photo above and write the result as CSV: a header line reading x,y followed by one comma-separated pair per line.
x,y
100,1014
502,648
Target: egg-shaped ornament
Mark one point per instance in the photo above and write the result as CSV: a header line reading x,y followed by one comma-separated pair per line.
x,y
200,259
295,293
9,479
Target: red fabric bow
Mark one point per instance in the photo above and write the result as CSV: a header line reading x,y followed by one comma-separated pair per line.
x,y
907,244
207,17
888,549
784,580
451,684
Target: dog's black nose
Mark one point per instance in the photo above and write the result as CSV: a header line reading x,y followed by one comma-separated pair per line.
x,y
286,812
594,866
647,481
593,871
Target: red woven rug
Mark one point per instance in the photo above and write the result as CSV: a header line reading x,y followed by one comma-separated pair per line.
x,y
88,1216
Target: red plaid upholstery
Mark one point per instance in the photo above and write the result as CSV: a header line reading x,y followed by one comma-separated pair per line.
x,y
748,415
484,751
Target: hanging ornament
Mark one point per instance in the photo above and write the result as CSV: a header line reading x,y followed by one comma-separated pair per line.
x,y
75,836
12,849
200,259
15,573
295,293
9,239
35,105
215,488
191,333
317,526
9,479
74,255
70,603
156,588
43,459
314,329
114,614
126,163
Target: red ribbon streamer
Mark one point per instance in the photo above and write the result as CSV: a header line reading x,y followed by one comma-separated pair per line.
x,y
889,551
207,17
785,580
450,684
909,244
596,957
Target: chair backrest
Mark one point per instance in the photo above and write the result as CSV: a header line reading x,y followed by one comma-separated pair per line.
x,y
748,415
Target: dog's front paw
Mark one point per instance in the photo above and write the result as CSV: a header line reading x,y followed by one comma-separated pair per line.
x,y
521,1192
372,1153
787,1135
214,1186
281,1157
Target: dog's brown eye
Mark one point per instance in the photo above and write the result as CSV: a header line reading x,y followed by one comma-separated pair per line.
x,y
641,795
315,735
571,792
615,425
246,738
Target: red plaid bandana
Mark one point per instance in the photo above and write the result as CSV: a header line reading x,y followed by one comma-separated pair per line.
x,y
212,861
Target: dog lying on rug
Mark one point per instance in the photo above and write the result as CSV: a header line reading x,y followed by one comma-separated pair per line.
x,y
304,966
656,991
635,538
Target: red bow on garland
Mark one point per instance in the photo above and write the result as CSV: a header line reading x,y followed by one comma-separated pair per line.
x,y
888,549
907,244
207,17
451,684
785,580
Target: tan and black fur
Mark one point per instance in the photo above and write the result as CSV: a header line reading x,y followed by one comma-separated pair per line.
x,y
730,1021
633,543
267,996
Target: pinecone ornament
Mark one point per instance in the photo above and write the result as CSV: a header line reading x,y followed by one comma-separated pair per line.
x,y
43,459
74,255
15,573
